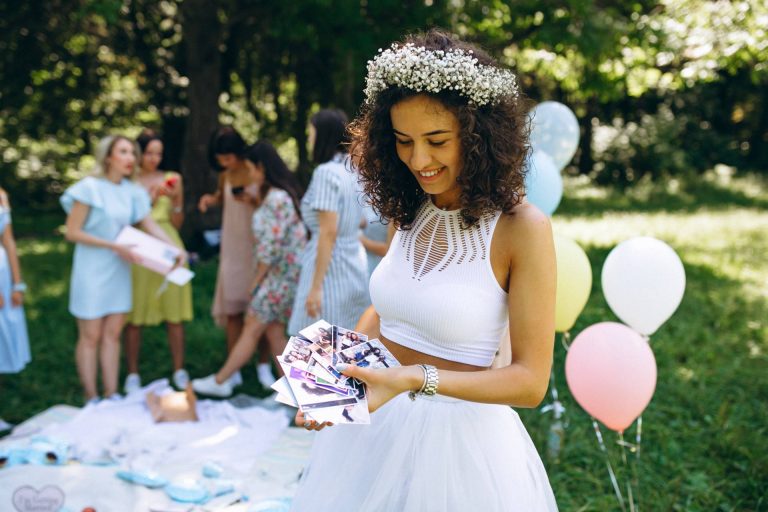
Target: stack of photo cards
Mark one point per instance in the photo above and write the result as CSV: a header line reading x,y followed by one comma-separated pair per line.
x,y
311,382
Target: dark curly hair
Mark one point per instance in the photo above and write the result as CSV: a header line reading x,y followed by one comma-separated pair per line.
x,y
494,146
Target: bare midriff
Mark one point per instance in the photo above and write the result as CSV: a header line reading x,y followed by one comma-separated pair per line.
x,y
408,356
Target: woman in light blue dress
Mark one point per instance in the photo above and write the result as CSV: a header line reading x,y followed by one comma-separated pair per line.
x,y
333,284
98,207
14,340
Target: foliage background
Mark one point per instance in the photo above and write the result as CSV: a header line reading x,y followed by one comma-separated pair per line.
x,y
661,88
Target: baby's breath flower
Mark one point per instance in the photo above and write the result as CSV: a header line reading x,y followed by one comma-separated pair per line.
x,y
422,70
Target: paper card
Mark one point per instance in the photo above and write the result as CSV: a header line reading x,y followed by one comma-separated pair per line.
x,y
153,253
296,353
351,414
301,375
284,391
372,353
311,396
180,276
287,400
344,339
318,370
320,330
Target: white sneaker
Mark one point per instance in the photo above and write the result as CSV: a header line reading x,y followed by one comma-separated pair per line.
x,y
132,383
235,379
209,386
180,379
264,373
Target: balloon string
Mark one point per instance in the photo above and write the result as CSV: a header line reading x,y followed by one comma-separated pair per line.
x,y
614,482
630,479
636,472
565,339
556,406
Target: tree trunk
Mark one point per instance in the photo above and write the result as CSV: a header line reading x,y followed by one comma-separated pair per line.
x,y
300,124
586,158
201,32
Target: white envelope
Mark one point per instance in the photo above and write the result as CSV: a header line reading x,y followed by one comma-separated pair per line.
x,y
153,253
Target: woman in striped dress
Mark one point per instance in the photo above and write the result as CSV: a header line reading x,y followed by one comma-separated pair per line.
x,y
333,281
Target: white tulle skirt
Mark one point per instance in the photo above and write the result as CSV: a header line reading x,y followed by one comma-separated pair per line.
x,y
435,454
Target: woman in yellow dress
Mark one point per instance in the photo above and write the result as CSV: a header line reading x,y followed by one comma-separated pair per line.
x,y
173,305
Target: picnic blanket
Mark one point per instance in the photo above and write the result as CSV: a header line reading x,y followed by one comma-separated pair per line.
x,y
250,443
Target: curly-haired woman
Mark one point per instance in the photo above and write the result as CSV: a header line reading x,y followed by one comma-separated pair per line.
x,y
440,146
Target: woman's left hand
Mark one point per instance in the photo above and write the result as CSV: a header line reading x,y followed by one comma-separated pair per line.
x,y
314,302
384,384
17,298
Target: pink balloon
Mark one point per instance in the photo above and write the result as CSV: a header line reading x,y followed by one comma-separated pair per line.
x,y
611,372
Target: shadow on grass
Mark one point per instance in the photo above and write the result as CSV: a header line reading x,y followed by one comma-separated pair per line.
x,y
705,432
690,197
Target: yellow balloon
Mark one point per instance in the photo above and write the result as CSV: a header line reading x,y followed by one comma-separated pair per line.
x,y
574,282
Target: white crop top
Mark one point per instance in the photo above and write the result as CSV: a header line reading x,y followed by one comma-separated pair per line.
x,y
435,290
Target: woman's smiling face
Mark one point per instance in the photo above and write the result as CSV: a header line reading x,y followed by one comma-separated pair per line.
x,y
427,138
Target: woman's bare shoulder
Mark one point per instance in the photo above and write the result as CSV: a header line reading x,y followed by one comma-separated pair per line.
x,y
526,220
524,228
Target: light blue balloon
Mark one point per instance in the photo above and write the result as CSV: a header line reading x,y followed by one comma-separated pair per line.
x,y
543,183
555,131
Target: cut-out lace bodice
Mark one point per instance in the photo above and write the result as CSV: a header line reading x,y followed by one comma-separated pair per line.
x,y
437,239
435,290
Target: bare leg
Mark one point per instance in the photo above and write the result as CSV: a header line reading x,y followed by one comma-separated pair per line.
x,y
110,352
243,350
87,354
234,329
275,334
176,343
263,350
132,339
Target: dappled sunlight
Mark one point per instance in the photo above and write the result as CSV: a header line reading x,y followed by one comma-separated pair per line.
x,y
685,374
41,247
731,243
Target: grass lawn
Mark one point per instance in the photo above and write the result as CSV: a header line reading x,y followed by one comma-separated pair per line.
x,y
705,437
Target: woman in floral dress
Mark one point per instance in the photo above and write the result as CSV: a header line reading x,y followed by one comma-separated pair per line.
x,y
281,235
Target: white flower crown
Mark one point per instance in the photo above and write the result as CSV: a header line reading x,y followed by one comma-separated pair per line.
x,y
421,70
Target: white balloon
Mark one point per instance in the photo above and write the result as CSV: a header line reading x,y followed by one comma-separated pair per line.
x,y
643,281
555,130
543,183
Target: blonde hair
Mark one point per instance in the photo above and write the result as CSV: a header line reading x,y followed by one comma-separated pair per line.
x,y
104,150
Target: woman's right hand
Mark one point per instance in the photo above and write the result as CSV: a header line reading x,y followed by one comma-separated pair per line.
x,y
303,421
206,201
125,251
